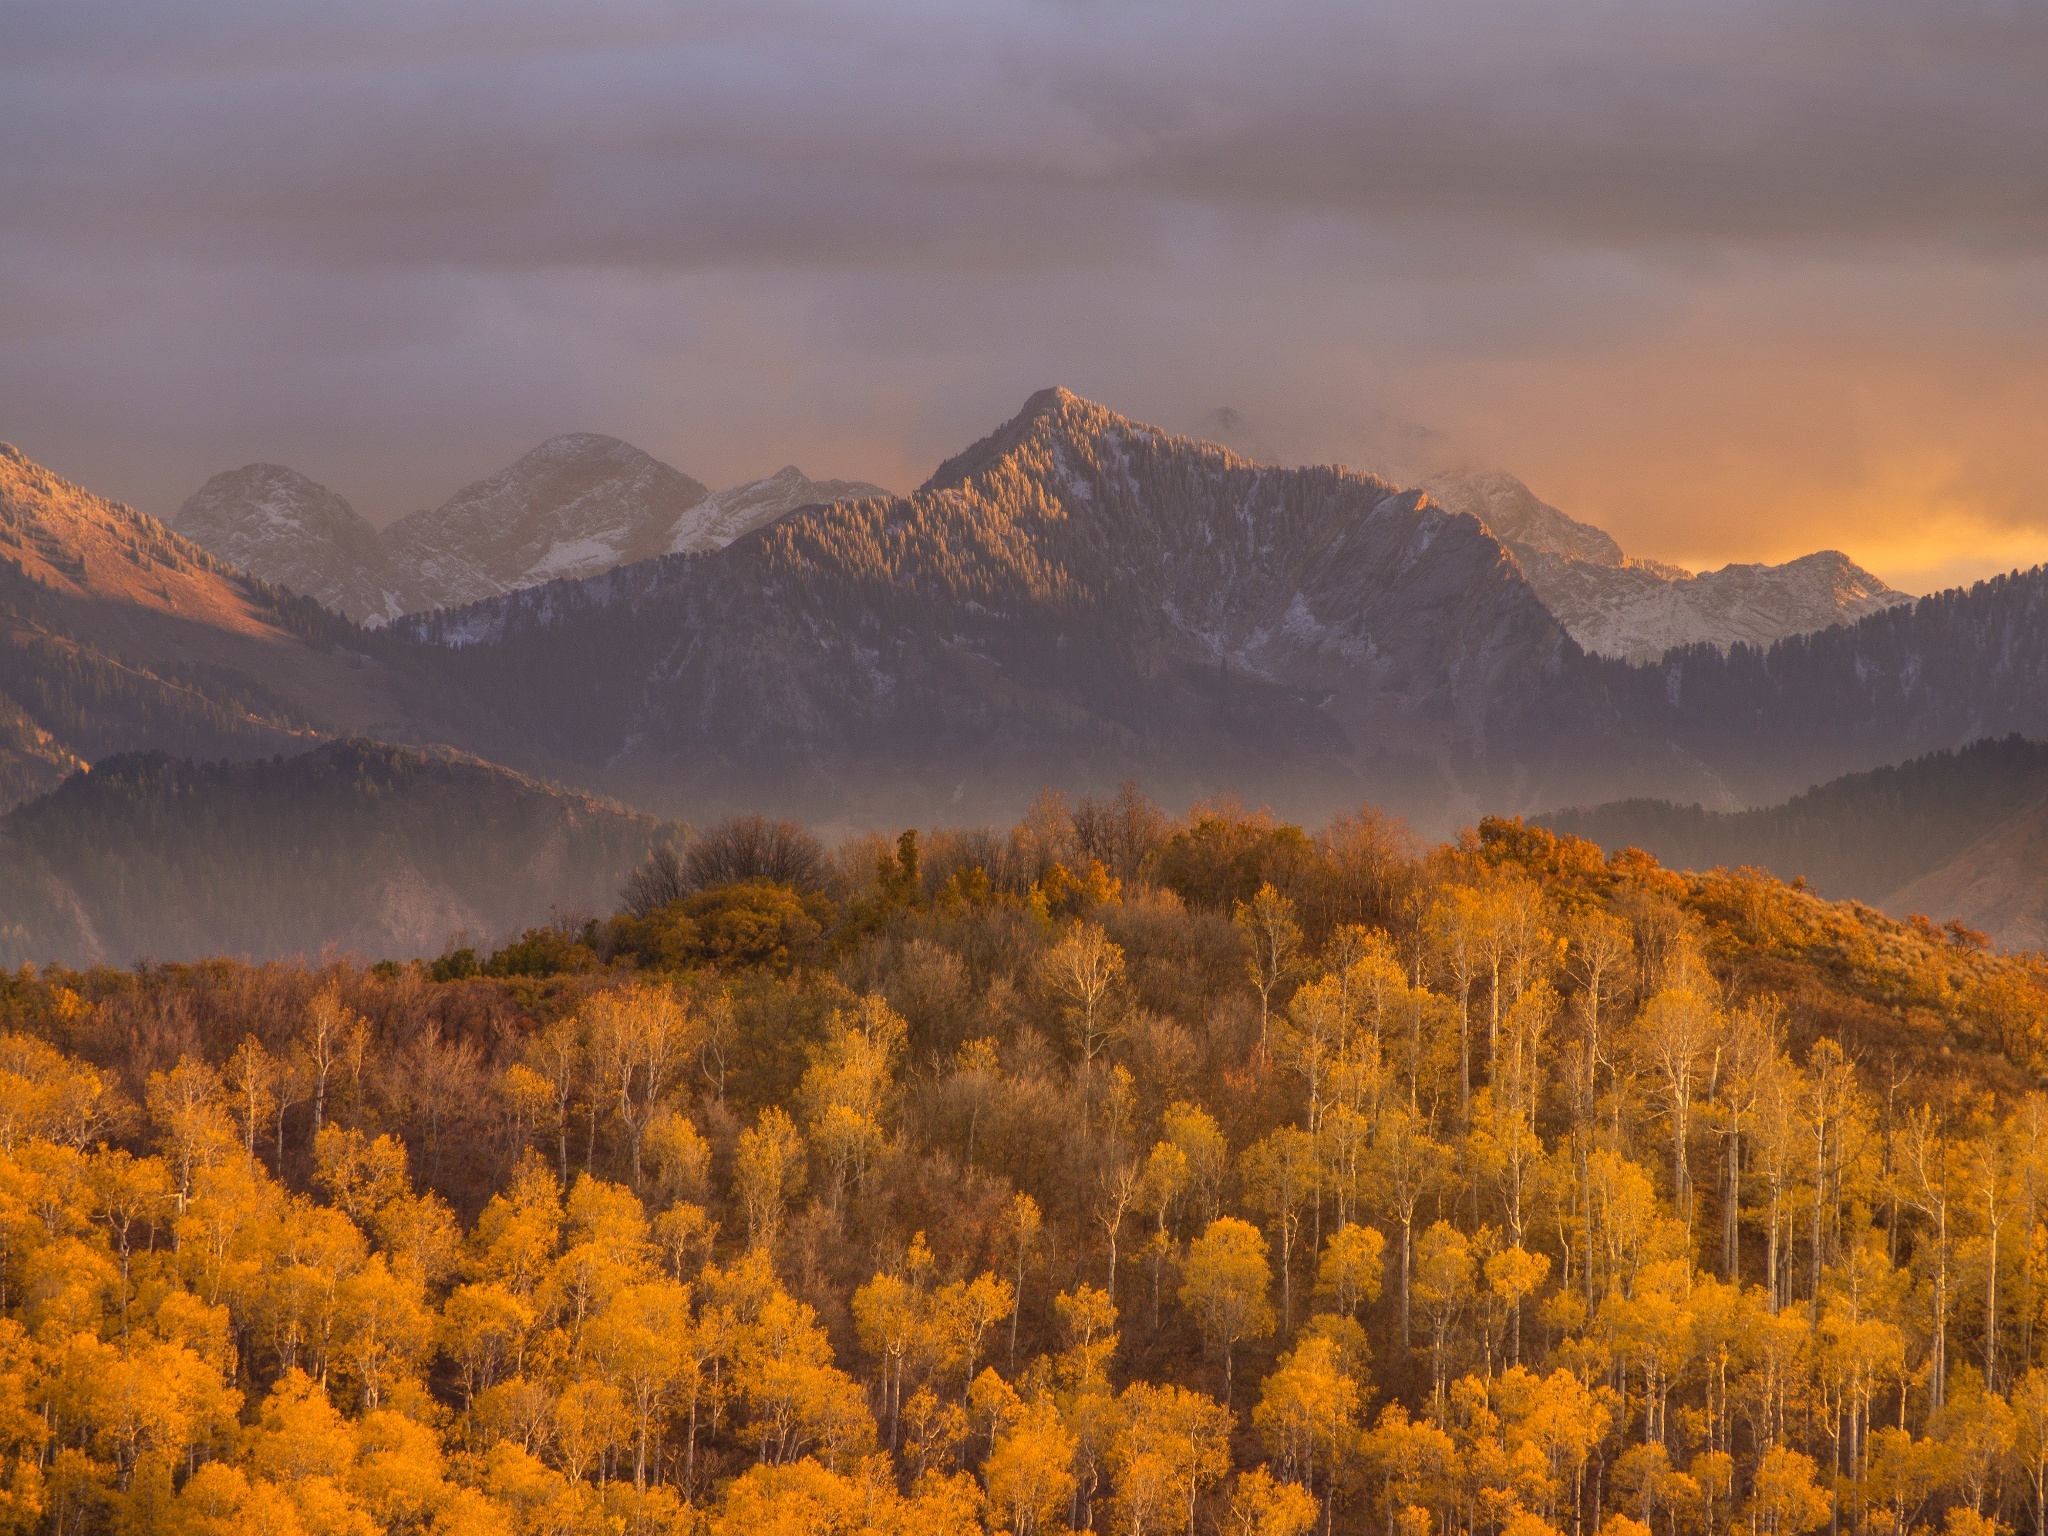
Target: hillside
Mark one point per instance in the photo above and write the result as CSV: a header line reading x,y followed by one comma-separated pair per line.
x,y
368,849
1949,835
1104,1172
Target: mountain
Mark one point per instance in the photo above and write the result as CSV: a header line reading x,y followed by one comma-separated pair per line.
x,y
118,634
357,846
1611,603
1076,598
296,533
1960,834
1639,610
1081,598
576,505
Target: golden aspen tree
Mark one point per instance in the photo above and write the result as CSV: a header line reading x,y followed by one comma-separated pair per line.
x,y
768,1170
1194,1132
1022,1224
1083,969
641,1038
1279,1176
1785,1499
1405,1162
1273,948
1227,1284
1170,1442
1453,933
189,1110
1676,1036
1261,1506
1931,1162
1029,1472
847,1090
1307,1417
325,1036
251,1077
889,1320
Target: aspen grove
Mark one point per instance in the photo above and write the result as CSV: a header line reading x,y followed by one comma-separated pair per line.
x,y
1109,1172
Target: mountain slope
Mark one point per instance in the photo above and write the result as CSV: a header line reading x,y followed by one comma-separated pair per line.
x,y
725,515
1997,884
296,533
1076,598
118,634
360,846
1951,834
1612,604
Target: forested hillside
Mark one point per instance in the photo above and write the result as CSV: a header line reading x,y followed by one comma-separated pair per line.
x,y
1103,1173
1864,835
356,847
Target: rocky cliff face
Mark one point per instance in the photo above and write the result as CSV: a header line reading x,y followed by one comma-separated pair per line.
x,y
1640,610
1636,609
296,533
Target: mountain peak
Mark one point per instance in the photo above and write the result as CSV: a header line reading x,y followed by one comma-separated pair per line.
x,y
292,530
1054,410
579,503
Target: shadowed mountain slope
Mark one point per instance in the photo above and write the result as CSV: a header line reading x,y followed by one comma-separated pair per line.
x,y
1612,604
1952,834
356,846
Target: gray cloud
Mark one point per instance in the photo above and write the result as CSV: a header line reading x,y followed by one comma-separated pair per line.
x,y
393,242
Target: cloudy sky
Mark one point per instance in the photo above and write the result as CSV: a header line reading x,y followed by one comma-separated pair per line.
x,y
1733,280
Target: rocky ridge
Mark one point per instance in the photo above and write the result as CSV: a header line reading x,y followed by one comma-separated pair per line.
x,y
576,505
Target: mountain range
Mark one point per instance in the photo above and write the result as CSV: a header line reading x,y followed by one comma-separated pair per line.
x,y
117,634
1959,834
1613,604
355,846
578,504
1076,599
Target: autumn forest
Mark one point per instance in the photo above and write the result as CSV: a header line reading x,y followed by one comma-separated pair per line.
x,y
1108,1172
